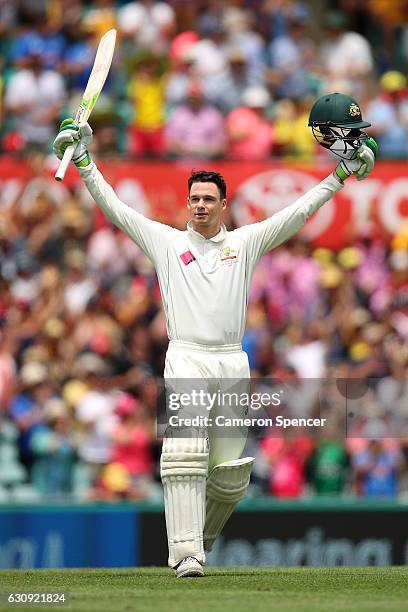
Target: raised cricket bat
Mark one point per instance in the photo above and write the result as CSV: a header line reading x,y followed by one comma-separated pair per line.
x,y
96,81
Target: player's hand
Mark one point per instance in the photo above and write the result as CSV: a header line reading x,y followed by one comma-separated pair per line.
x,y
362,164
71,133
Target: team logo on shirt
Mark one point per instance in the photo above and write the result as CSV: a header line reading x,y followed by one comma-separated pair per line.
x,y
228,256
354,110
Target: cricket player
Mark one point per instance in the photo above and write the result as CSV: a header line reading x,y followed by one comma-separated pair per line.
x,y
204,274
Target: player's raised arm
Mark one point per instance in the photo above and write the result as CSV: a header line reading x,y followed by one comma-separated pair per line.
x,y
336,122
151,236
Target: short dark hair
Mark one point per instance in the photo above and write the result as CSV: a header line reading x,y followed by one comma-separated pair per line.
x,y
203,176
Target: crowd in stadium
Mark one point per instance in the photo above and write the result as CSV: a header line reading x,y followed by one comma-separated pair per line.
x,y
242,75
82,333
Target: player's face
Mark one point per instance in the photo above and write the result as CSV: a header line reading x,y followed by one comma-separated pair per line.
x,y
205,205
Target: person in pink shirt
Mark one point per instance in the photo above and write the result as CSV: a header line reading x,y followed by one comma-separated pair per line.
x,y
131,442
287,457
196,128
250,132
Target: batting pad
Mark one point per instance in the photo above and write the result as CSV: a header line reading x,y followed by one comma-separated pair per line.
x,y
226,486
183,469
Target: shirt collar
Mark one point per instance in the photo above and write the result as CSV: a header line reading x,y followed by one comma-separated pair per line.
x,y
197,236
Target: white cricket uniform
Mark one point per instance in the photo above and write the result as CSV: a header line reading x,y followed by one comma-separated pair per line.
x,y
205,283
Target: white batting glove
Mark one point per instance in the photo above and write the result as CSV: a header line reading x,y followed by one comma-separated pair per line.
x,y
70,133
361,165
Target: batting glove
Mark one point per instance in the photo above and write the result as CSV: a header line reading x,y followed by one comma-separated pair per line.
x,y
361,165
71,133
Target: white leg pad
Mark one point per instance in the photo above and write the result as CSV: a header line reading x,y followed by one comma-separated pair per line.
x,y
183,469
226,486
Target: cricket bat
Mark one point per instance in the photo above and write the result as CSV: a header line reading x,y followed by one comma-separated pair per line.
x,y
96,81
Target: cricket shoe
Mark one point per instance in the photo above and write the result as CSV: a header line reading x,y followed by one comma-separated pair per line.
x,y
189,566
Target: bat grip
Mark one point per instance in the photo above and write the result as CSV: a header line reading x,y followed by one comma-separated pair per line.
x,y
64,163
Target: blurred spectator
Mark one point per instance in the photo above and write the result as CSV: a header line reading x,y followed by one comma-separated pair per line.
x,y
390,18
79,287
227,94
8,16
196,128
290,57
131,443
179,78
12,472
28,39
54,41
34,97
388,113
210,15
250,132
182,45
54,452
78,57
289,281
146,93
1,98
287,457
113,483
147,24
376,470
240,34
100,17
26,407
346,57
8,366
306,350
94,411
371,273
275,16
328,467
37,30
209,55
178,81
293,137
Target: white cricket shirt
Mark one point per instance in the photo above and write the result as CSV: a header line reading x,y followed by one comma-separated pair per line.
x,y
205,282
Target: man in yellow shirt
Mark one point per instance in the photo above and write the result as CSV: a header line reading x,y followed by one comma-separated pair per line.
x,y
146,91
292,134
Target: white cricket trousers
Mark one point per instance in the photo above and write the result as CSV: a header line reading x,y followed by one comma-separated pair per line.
x,y
222,372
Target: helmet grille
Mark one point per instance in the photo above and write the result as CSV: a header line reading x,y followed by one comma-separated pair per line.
x,y
343,142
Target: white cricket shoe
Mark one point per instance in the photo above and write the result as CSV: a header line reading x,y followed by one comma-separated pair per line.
x,y
189,567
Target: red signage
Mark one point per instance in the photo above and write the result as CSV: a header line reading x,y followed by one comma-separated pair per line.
x,y
255,191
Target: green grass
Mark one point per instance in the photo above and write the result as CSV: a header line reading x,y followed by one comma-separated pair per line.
x,y
222,590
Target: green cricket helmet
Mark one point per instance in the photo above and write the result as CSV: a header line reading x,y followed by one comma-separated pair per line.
x,y
337,123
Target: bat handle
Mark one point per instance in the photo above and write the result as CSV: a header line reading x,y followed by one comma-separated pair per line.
x,y
64,163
